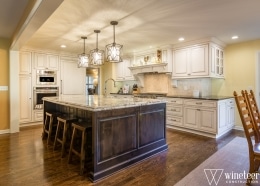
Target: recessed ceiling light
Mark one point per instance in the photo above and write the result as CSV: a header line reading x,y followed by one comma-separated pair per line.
x,y
234,37
63,46
181,39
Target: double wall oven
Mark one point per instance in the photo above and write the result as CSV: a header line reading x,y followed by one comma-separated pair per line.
x,y
46,81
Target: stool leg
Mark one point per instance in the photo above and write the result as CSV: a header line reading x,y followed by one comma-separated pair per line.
x,y
71,144
64,137
82,153
49,134
56,136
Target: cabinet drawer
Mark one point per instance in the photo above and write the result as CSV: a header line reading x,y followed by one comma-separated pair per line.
x,y
174,101
200,103
38,115
174,121
230,102
174,110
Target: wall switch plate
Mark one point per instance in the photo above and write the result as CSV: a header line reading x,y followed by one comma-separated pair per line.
x,y
3,88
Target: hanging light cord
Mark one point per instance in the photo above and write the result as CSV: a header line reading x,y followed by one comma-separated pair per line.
x,y
114,34
97,41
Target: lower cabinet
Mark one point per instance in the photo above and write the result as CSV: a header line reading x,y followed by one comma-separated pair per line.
x,y
211,118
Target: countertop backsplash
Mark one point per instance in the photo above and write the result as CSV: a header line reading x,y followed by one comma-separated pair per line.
x,y
162,83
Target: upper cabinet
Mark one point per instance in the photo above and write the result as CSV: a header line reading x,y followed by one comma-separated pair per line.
x,y
46,61
198,60
123,73
25,66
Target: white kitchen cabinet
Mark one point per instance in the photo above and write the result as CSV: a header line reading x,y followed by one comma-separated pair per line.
x,y
226,114
217,61
25,63
38,115
202,59
174,111
73,79
46,61
200,115
211,118
123,73
25,98
190,62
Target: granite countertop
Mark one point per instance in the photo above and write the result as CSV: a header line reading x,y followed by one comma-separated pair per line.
x,y
100,102
211,97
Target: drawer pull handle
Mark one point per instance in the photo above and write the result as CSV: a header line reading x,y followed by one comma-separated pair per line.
x,y
199,103
173,110
173,101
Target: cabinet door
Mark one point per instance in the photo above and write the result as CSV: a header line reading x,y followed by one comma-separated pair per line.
x,y
40,61
25,99
25,66
127,71
198,62
180,63
219,62
73,79
230,113
46,61
207,120
53,62
119,71
191,117
222,116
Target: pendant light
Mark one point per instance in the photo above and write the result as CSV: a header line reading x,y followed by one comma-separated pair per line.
x,y
96,55
113,50
83,61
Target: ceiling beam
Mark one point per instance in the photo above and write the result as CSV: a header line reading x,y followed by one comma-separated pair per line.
x,y
37,14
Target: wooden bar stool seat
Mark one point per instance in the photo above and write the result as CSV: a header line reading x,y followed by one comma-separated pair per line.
x,y
82,128
63,132
50,125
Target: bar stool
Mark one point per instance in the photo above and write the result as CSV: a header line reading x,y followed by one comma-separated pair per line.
x,y
49,125
64,124
81,153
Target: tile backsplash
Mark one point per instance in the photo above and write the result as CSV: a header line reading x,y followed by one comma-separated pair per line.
x,y
162,83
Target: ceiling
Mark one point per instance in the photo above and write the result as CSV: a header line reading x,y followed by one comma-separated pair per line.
x,y
142,24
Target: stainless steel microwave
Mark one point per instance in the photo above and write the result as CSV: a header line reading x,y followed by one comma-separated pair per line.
x,y
46,77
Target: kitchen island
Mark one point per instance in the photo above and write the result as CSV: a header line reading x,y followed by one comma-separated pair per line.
x,y
124,130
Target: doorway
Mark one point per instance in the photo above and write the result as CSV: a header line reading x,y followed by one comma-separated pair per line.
x,y
92,81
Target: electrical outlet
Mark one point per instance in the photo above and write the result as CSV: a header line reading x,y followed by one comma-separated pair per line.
x,y
3,88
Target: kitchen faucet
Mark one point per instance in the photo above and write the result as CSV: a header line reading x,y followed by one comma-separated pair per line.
x,y
106,84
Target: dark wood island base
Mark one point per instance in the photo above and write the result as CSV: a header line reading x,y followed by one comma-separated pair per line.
x,y
120,136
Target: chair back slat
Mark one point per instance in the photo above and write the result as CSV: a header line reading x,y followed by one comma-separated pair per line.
x,y
254,110
246,118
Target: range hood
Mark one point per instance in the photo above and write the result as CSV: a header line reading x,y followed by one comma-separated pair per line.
x,y
139,71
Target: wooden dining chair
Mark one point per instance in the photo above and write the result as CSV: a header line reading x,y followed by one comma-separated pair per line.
x,y
254,110
250,132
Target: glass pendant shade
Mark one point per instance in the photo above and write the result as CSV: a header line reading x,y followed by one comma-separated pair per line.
x,y
83,60
96,55
114,51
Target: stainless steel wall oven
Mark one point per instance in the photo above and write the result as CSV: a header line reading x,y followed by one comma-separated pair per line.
x,y
40,92
46,77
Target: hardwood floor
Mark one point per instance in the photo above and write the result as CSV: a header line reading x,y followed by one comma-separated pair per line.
x,y
26,160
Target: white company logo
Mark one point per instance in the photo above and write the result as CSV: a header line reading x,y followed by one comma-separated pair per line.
x,y
213,175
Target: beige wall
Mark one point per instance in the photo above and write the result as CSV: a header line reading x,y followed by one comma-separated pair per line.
x,y
240,60
4,81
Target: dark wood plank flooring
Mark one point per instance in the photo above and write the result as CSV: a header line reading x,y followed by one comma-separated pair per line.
x,y
26,160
